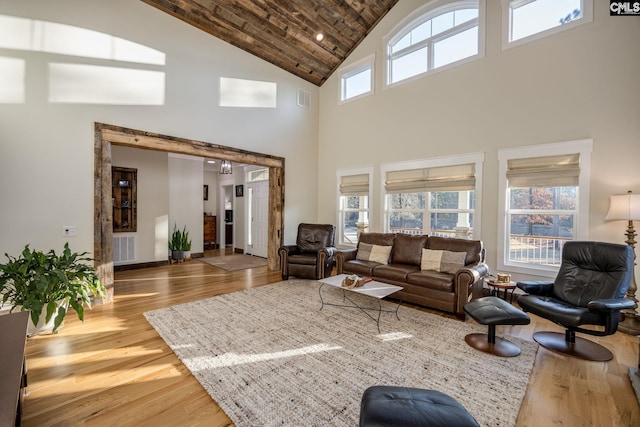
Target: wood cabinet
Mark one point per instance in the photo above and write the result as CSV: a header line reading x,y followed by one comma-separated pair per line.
x,y
210,232
124,188
13,336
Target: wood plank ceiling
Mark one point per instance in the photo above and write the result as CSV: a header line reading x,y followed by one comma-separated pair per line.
x,y
283,32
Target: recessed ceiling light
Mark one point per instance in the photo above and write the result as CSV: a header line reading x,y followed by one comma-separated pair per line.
x,y
319,37
211,161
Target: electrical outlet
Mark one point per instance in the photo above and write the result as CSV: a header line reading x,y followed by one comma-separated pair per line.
x,y
68,230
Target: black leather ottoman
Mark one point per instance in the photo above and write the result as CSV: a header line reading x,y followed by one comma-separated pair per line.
x,y
493,311
390,406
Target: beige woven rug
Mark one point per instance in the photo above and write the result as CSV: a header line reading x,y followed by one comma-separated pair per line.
x,y
235,262
269,356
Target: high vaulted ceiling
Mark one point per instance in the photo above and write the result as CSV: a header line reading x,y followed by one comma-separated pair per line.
x,y
284,32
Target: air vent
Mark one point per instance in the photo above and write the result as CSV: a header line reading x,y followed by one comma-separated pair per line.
x,y
304,98
124,248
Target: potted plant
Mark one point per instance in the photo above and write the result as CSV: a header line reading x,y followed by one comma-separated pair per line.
x,y
47,284
179,244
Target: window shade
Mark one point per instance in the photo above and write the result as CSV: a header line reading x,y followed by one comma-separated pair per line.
x,y
354,185
444,178
548,171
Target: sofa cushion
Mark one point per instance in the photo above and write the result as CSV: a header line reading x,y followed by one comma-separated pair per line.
x,y
395,272
361,268
382,239
376,253
473,248
313,237
432,280
442,261
302,259
407,249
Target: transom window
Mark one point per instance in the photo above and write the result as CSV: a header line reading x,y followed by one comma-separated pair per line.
x,y
356,80
442,35
532,19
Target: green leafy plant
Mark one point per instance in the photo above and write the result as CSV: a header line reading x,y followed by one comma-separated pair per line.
x,y
37,281
179,239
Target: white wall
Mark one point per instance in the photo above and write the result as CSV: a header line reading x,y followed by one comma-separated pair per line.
x,y
186,178
153,200
582,83
46,150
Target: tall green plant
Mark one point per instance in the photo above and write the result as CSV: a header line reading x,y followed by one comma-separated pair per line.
x,y
179,239
36,280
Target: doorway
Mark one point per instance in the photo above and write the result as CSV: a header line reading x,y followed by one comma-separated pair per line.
x,y
107,135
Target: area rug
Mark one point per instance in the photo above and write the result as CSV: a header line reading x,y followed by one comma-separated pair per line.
x,y
235,262
269,356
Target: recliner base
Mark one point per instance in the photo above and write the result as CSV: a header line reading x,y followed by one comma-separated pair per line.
x,y
581,348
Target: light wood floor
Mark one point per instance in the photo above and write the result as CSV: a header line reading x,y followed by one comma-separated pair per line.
x,y
114,369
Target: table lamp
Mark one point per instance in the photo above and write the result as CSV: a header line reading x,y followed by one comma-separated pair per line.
x,y
627,207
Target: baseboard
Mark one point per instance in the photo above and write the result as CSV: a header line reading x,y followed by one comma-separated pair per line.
x,y
238,251
126,267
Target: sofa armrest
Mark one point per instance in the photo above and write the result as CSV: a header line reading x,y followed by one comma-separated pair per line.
x,y
344,255
536,287
468,281
283,253
610,305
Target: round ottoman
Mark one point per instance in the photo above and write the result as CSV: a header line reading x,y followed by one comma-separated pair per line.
x,y
493,311
411,407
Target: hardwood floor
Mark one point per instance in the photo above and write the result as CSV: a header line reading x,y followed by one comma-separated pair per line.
x,y
114,369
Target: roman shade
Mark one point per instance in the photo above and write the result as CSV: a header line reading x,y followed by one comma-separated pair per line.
x,y
547,171
354,185
442,178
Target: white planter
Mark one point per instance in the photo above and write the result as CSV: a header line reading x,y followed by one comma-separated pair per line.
x,y
44,327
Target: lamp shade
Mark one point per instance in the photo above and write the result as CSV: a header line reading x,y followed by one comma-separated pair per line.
x,y
225,167
624,206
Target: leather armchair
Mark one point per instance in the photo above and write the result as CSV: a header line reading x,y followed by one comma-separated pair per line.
x,y
312,255
588,290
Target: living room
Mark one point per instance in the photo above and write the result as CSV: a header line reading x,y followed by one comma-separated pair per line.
x,y
573,86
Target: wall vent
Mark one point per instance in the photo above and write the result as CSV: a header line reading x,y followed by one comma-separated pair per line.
x,y
304,98
124,248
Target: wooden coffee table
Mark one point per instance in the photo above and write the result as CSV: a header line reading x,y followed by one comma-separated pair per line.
x,y
374,289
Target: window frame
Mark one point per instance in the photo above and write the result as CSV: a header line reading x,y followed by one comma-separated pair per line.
x,y
473,158
587,17
421,15
340,211
583,147
364,64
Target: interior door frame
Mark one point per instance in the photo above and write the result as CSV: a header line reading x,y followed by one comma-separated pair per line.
x,y
106,135
251,194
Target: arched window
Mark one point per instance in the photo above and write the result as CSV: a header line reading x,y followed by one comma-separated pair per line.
x,y
443,33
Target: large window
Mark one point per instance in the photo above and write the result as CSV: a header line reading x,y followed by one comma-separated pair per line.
x,y
543,195
443,33
525,20
353,205
435,199
437,213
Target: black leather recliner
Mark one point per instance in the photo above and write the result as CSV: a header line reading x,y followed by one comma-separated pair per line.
x,y
588,290
312,255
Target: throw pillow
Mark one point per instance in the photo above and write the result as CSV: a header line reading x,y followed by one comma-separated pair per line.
x,y
377,253
442,261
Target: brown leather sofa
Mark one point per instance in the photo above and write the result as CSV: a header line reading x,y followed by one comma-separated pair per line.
x,y
448,289
312,255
